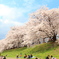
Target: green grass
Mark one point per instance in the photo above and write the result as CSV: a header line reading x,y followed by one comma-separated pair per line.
x,y
40,51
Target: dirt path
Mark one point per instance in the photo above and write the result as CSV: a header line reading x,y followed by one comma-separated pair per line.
x,y
12,58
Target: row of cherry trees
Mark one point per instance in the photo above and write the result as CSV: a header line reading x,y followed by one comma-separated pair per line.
x,y
44,23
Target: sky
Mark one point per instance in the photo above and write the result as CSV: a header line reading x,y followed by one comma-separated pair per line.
x,y
16,12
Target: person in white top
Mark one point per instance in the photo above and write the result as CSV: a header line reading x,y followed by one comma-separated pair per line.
x,y
52,57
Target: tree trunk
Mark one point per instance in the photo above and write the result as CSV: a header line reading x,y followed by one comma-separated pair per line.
x,y
54,38
43,40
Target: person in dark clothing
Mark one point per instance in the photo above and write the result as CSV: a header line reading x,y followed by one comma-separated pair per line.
x,y
25,56
48,57
17,56
31,56
4,57
36,58
28,57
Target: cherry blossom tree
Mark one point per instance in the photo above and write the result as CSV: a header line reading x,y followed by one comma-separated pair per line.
x,y
48,24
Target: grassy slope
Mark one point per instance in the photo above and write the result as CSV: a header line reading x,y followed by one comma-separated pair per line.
x,y
41,51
